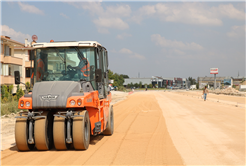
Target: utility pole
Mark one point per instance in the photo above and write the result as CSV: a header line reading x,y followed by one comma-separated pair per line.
x,y
214,81
214,71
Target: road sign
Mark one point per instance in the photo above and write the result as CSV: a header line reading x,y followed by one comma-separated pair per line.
x,y
214,71
34,37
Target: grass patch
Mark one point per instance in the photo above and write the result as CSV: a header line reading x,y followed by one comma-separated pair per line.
x,y
10,107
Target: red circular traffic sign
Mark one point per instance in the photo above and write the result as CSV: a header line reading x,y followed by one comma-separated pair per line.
x,y
34,37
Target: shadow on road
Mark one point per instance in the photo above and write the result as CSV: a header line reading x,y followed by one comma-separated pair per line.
x,y
95,139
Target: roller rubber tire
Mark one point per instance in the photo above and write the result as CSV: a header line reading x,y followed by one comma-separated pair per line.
x,y
81,131
59,133
43,132
110,125
21,134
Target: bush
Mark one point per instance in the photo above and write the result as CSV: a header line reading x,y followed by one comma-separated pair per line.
x,y
11,88
150,86
121,88
15,98
28,87
10,107
4,100
19,93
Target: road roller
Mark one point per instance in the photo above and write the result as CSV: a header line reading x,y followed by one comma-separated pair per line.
x,y
70,100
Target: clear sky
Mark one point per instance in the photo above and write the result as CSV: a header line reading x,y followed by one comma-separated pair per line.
x,y
178,39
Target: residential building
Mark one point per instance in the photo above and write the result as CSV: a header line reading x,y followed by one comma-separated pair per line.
x,y
15,56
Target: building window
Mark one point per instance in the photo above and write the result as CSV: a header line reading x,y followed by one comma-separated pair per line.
x,y
28,70
1,69
6,51
5,70
9,69
9,51
1,46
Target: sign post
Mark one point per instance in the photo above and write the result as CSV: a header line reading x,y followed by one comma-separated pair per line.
x,y
214,71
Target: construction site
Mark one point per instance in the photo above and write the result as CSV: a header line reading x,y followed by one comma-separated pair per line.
x,y
153,128
70,117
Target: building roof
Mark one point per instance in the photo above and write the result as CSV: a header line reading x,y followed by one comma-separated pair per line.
x,y
162,78
67,44
137,80
7,39
210,78
23,48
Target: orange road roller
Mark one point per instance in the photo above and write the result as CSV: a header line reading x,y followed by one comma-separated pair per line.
x,y
70,100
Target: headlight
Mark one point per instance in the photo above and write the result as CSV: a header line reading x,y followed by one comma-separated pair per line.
x,y
27,104
79,101
22,103
72,102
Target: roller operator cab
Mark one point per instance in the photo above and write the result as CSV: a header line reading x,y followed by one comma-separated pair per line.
x,y
70,100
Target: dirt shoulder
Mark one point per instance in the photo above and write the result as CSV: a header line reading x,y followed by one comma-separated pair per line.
x,y
205,132
226,99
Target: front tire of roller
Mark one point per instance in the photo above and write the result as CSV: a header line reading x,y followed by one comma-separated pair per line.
x,y
81,131
43,131
59,133
110,125
21,134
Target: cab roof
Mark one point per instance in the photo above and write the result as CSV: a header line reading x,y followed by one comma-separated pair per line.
x,y
67,44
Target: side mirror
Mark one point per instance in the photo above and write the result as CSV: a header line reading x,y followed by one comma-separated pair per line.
x,y
98,75
17,77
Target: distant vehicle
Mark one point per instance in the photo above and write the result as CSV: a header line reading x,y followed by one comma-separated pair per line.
x,y
193,87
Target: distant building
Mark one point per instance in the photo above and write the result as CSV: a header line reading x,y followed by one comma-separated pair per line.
x,y
137,80
162,82
209,81
237,80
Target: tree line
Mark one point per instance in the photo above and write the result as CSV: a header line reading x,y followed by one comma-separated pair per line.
x,y
118,78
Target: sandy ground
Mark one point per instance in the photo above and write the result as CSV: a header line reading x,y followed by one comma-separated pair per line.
x,y
205,132
158,128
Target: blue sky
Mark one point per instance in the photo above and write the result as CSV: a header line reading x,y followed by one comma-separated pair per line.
x,y
178,39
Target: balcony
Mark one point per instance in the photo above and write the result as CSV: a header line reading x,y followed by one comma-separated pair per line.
x,y
9,80
11,60
2,57
28,63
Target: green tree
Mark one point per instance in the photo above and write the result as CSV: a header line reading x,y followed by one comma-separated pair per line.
x,y
11,88
118,80
136,85
197,85
6,92
150,86
28,87
19,93
192,81
110,75
124,76
131,85
3,90
140,84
